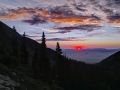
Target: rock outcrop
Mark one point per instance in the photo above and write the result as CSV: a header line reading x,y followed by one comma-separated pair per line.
x,y
7,84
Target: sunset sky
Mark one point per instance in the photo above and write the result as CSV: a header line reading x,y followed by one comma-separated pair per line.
x,y
86,23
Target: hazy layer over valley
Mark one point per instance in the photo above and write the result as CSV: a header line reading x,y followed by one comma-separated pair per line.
x,y
89,55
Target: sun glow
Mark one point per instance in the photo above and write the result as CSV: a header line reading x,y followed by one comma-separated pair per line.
x,y
78,47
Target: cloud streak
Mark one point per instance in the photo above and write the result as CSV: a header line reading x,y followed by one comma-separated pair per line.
x,y
94,34
80,27
63,39
36,19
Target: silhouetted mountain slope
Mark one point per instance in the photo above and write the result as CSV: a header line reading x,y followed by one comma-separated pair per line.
x,y
6,34
112,61
11,66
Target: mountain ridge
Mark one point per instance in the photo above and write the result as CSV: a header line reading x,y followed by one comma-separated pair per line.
x,y
111,61
6,38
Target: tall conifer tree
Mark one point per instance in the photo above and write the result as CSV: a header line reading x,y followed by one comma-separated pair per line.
x,y
58,49
45,63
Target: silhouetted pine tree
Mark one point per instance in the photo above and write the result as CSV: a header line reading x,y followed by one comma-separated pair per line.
x,y
58,49
14,44
14,29
60,64
24,52
44,62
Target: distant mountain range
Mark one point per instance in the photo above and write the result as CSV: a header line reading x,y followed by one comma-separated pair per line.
x,y
93,55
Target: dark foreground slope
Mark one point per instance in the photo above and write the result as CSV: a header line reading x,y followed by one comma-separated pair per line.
x,y
111,61
6,34
64,73
13,74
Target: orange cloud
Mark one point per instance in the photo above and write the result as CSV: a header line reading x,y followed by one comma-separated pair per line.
x,y
71,20
116,21
113,19
94,21
76,20
56,16
23,13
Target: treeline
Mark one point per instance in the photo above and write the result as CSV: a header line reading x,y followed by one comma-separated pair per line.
x,y
67,73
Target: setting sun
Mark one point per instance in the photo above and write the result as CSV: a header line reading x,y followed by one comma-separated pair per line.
x,y
78,47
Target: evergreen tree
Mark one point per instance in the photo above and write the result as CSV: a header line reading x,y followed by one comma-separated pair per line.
x,y
14,28
43,48
44,62
24,52
58,49
43,42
